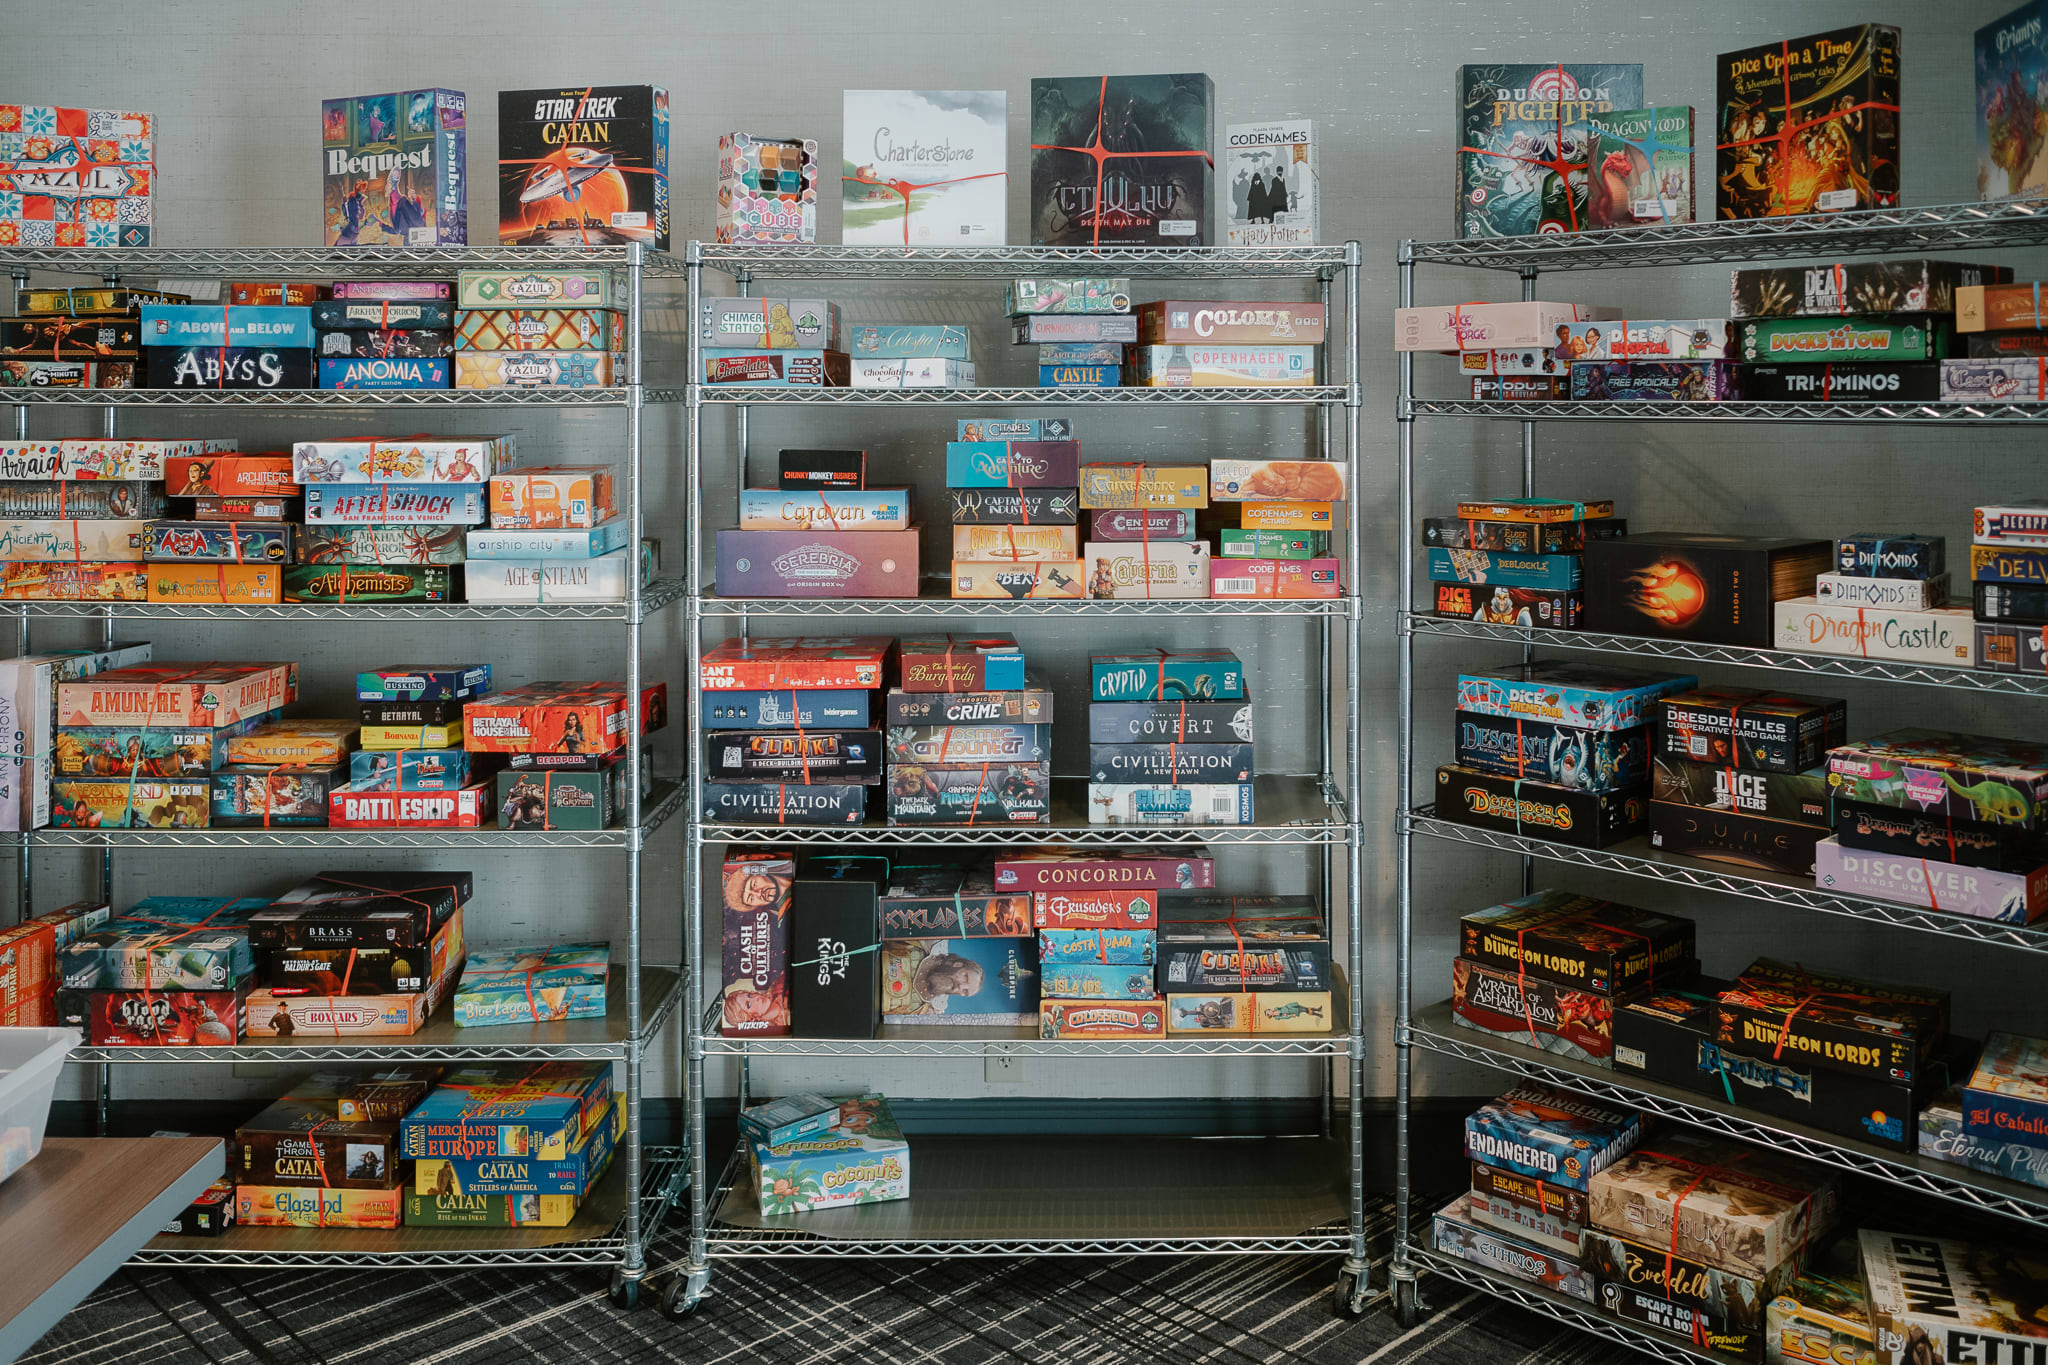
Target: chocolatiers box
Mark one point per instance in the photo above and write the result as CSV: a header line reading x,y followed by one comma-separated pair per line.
x,y
1776,1011
1523,135
1563,1020
1581,942
1747,1211
951,898
1595,760
1713,589
1031,704
1539,810
298,1141
993,792
1552,1135
1123,160
754,956
1740,727
1809,125
583,166
834,756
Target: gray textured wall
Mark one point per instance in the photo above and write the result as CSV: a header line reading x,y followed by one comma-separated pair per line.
x,y
236,86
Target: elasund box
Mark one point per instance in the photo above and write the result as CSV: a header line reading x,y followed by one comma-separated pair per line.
x,y
1710,589
1581,942
1557,1019
583,166
1540,810
293,1206
1747,1211
817,563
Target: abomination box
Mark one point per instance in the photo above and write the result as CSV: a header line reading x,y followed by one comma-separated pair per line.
x,y
1167,676
817,563
1846,288
1030,705
1804,340
1596,760
396,504
769,755
967,744
583,166
1926,879
1550,573
114,500
1581,942
1013,507
992,793
1578,1024
1694,586
1531,1209
1454,1233
785,803
393,170
1123,160
1747,1211
1505,606
1581,696
1170,762
1910,833
1540,810
1740,727
1120,486
1523,133
1551,1135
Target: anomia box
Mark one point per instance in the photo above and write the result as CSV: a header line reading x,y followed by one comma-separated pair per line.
x,y
1271,192
583,166
924,168
392,170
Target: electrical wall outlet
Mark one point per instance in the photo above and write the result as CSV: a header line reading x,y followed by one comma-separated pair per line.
x,y
1002,1064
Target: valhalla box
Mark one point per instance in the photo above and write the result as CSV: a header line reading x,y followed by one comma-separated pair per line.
x,y
1540,810
1123,160
1523,131
393,170
583,166
980,794
1809,125
1711,589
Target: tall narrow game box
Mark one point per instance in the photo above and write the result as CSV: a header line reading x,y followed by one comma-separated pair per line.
x,y
393,170
2012,64
1272,193
583,166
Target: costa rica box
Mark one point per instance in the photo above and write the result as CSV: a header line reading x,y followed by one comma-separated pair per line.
x,y
583,166
1551,1135
1578,1024
1581,942
1123,160
1739,727
1693,586
1540,810
1112,947
1596,760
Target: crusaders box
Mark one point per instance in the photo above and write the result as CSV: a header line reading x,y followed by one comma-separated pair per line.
x,y
1099,908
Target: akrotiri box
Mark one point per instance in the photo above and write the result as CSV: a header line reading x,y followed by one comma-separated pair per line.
x,y
2006,1097
1272,189
863,1159
1524,133
1123,160
934,982
2012,62
1747,1211
1931,1299
1639,165
924,168
392,170
583,166
1809,125
767,190
1551,1135
76,177
1706,588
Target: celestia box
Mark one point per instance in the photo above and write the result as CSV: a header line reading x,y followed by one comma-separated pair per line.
x,y
925,168
392,170
583,166
1123,160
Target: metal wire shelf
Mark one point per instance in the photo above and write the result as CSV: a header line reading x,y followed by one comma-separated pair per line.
x,y
666,800
749,396
1936,227
1948,414
1637,859
657,596
997,262
933,601
580,1040
373,262
1432,1028
336,398
1560,1308
597,1236
1287,810
1742,656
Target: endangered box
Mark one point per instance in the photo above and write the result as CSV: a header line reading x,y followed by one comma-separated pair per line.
x,y
76,177
924,168
767,190
1123,161
583,166
1551,1135
1809,125
1272,188
393,170
1523,136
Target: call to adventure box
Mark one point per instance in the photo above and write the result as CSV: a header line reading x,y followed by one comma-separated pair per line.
x,y
1809,125
583,166
1523,133
393,171
1123,160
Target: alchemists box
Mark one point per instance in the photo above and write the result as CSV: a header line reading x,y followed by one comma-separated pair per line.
x,y
1271,188
1540,810
1123,160
1523,131
1809,125
583,166
924,168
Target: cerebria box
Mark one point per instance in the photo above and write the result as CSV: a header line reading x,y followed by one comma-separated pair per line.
x,y
583,166
392,170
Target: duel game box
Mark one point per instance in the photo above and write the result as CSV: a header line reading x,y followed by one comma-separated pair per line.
x,y
1809,125
1524,132
583,166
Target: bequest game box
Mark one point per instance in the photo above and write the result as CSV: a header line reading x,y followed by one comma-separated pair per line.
x,y
583,166
392,171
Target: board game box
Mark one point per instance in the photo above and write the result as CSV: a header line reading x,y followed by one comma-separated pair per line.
x,y
924,168
1699,587
1580,942
1798,797
1867,827
1851,288
1568,1022
1533,1210
1639,165
1058,869
933,898
1123,160
767,189
1271,184
1965,777
1031,705
755,953
77,177
933,982
1118,947
863,1159
1926,878
1809,125
1454,1232
1582,696
1695,1301
297,1141
393,169
1863,1028
1747,1211
583,166
1143,1017
1931,1299
1741,727
1595,760
1540,810
2006,1098
1550,1135
1523,136
1942,1136
989,792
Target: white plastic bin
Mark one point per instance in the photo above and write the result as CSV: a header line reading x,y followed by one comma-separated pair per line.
x,y
31,1059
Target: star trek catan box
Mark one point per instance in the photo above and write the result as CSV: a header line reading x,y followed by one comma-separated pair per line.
x,y
584,166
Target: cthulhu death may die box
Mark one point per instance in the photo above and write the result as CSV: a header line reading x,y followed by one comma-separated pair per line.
x,y
1123,160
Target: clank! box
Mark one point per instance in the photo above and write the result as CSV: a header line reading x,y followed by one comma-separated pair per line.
x,y
583,166
393,170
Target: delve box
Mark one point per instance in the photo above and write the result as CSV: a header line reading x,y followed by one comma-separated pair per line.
x,y
1550,1135
583,166
1809,125
1580,942
1747,1211
981,793
1595,760
1568,1022
1539,1212
951,899
960,981
1539,810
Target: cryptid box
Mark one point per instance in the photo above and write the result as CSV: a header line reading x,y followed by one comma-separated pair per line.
x,y
1123,160
767,190
392,170
1272,189
1170,676
76,177
1809,125
1640,165
924,168
1522,133
583,166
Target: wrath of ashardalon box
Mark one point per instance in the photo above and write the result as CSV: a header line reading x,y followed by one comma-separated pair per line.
x,y
1123,160
583,166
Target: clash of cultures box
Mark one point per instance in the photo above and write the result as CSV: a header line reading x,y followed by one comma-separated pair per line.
x,y
583,166
392,171
1123,160
1523,132
924,168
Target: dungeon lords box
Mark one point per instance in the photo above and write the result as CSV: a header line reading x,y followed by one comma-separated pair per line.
x,y
583,166
1809,125
76,177
1550,1135
1540,810
1709,589
1523,132
1581,942
1859,1027
1123,160
1746,1211
924,168
393,171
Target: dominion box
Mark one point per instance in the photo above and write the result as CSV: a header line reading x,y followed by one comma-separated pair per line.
x,y
1523,139
583,166
1809,125
392,170
1123,160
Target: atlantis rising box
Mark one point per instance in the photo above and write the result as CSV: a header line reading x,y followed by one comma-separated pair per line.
x,y
1154,182
583,166
392,170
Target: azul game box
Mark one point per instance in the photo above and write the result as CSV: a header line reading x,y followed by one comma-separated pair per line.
x,y
76,177
1271,183
1639,165
583,166
1809,125
862,1159
1951,1301
962,981
1123,160
392,170
1524,135
924,168
2012,62
1550,1135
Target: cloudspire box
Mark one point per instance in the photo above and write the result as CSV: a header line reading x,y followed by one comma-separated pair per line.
x,y
1809,125
76,177
392,170
1122,160
1272,193
583,166
924,168
1523,136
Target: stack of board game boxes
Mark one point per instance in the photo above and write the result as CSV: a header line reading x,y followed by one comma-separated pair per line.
x,y
76,338
1169,739
28,724
227,346
1134,561
1099,949
326,1153
1215,343
561,751
809,1152
820,531
380,334
1993,1120
1079,324
538,329
412,767
2009,586
512,1145
1739,775
789,725
536,984
28,989
170,971
556,536
774,343
1517,562
1015,531
1647,358
912,355
384,516
1244,963
969,737
281,773
1884,596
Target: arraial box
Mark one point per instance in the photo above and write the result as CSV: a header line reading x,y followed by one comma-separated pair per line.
x,y
583,166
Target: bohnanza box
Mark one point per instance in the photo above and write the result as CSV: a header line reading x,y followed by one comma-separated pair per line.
x,y
925,168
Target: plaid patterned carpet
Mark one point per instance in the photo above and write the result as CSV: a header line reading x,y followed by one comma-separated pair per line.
x,y
1220,1311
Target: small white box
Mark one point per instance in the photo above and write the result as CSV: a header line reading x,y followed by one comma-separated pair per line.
x,y
1904,594
913,374
1272,195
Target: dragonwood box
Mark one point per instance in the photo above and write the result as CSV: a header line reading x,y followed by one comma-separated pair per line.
x,y
1563,1020
1746,1211
1540,810
1534,1210
1595,760
1698,587
1836,1023
1581,942
1551,1135
1741,727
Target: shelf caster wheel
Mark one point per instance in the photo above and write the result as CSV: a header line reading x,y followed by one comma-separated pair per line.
x,y
625,1293
1350,1298
683,1295
1408,1305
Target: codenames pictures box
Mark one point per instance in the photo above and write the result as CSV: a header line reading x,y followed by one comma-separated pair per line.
x,y
392,170
583,166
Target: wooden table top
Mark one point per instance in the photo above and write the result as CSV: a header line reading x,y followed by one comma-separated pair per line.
x,y
69,1218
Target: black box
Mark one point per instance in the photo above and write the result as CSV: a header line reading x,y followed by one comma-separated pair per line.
x,y
1595,760
834,927
835,756
1801,798
1742,727
618,135
1015,506
1904,381
1818,291
227,367
1170,762
785,803
1709,589
1725,837
1861,1028
209,1215
1169,722
412,712
1917,834
2007,648
2005,345
1030,706
2014,604
1498,606
1520,537
821,469
1671,1036
400,910
1211,941
1581,942
1539,810
1675,1297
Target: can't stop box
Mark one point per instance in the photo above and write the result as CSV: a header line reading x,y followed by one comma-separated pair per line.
x,y
583,166
393,170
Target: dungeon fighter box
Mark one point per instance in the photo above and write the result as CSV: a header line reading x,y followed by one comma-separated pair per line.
x,y
1523,132
583,166
1955,1301
1550,1135
1581,942
1809,125
1698,587
392,170
1746,1211
1123,160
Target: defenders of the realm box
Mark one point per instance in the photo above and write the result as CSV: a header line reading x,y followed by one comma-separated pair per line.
x,y
1580,942
1123,160
1523,132
1550,1135
583,166
1809,125
1931,1299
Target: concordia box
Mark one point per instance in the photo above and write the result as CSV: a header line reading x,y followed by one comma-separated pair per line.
x,y
1455,1233
1581,942
1578,1024
1550,1135
1055,869
934,982
1123,160
583,166
1540,810
1738,727
980,793
1581,696
1961,1301
392,170
1523,131
1596,760
1747,1211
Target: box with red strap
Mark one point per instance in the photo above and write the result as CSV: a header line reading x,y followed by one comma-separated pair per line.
x,y
1552,1135
1123,160
1072,869
1566,1021
375,969
534,985
156,1018
1101,1019
991,791
1215,941
537,1110
166,943
304,1206
1581,942
272,796
1781,1011
1548,1215
301,1140
360,909
1119,947
1200,1012
1695,1301
340,1018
